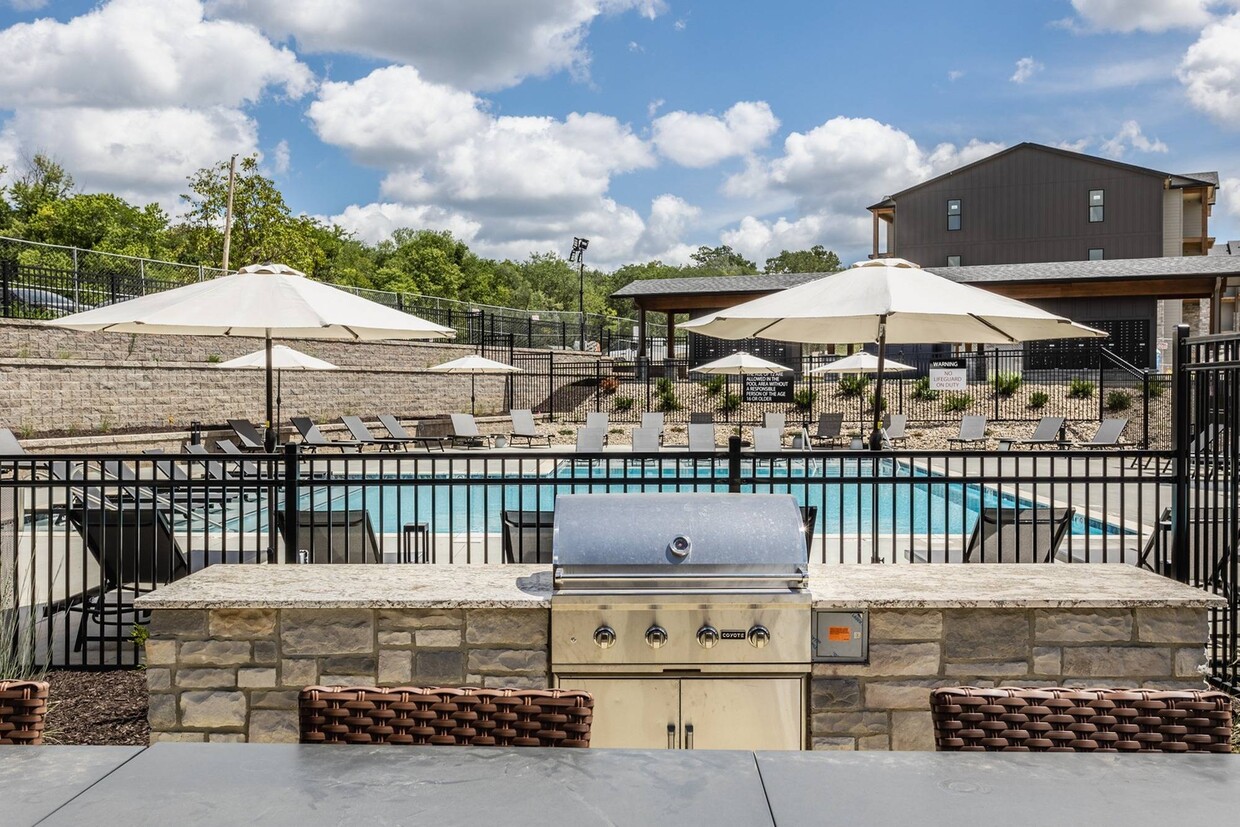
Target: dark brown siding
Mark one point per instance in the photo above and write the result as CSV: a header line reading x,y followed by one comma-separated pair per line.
x,y
1031,206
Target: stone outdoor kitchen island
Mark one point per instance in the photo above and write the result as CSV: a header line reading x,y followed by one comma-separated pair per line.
x,y
231,646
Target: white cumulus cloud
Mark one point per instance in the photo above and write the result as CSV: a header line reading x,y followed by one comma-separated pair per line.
x,y
1026,68
1128,137
1210,71
1143,15
701,140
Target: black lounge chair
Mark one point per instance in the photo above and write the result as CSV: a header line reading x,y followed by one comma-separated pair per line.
x,y
1107,436
701,418
527,536
1048,432
312,438
972,432
335,536
170,470
465,432
829,430
247,432
1018,535
421,432
523,427
362,434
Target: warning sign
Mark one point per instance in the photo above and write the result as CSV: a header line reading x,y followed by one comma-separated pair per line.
x,y
949,375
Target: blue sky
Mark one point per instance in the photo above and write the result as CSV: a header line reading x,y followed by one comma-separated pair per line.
x,y
650,126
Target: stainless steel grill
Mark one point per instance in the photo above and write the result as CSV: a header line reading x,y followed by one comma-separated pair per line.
x,y
687,615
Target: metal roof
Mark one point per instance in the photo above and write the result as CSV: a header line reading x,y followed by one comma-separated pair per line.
x,y
1118,268
699,285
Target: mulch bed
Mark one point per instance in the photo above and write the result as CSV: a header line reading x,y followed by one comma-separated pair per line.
x,y
98,708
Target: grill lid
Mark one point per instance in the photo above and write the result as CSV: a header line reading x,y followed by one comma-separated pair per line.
x,y
680,541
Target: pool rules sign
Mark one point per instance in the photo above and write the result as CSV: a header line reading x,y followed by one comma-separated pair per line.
x,y
948,375
768,387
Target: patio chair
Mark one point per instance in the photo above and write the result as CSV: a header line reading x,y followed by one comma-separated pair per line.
x,y
421,432
590,440
647,440
829,430
216,470
9,446
768,440
523,427
342,535
465,432
247,432
893,429
170,470
527,536
246,468
1017,535
1107,436
362,434
701,418
654,419
972,432
312,438
778,421
598,419
1048,432
136,552
702,439
128,487
1072,719
443,716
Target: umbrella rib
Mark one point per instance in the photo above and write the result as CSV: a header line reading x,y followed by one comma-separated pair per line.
x,y
1001,332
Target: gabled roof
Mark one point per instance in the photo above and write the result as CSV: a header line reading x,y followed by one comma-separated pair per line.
x,y
697,285
1117,268
1196,179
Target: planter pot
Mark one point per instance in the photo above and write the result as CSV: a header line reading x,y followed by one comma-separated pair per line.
x,y
23,708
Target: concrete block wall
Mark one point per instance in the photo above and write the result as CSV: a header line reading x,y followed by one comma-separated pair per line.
x,y
885,704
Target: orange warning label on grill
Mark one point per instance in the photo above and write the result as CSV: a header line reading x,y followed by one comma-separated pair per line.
x,y
839,633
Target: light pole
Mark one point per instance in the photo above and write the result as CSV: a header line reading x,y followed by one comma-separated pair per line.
x,y
579,255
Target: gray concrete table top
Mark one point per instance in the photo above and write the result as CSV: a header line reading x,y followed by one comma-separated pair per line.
x,y
961,789
276,784
35,781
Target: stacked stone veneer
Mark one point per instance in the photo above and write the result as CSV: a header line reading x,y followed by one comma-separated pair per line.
x,y
885,704
234,674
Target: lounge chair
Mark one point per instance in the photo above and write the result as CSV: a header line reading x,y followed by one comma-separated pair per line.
x,y
590,440
598,419
312,438
362,434
893,429
126,486
1047,433
9,446
972,432
465,432
768,440
1107,436
421,432
170,470
646,440
137,552
777,421
527,536
216,469
702,439
335,536
523,427
654,419
701,418
1017,535
829,427
247,432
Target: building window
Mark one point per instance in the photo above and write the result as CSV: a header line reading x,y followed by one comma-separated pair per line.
x,y
953,214
1095,206
953,261
1095,254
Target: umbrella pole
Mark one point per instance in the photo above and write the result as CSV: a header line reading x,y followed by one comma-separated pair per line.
x,y
270,441
876,435
279,402
473,389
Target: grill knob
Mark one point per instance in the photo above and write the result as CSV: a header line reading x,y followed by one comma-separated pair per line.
x,y
656,636
759,636
708,636
605,637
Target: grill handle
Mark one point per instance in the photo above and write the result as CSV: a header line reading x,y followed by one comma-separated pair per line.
x,y
800,578
671,736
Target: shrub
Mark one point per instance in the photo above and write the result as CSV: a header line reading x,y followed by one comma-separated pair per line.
x,y
713,385
957,402
214,359
1007,384
921,390
730,403
609,384
664,385
1118,400
869,402
566,432
1038,399
667,401
803,399
853,384
1080,389
1155,390
622,403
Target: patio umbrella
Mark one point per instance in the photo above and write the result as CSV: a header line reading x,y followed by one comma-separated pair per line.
x,y
740,364
475,366
283,358
862,362
260,300
887,300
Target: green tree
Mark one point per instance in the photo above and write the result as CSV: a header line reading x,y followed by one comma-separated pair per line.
x,y
42,182
99,221
816,259
720,261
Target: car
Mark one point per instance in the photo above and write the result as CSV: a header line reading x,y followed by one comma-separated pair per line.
x,y
37,299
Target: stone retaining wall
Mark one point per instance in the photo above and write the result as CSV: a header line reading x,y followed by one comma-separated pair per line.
x,y
885,704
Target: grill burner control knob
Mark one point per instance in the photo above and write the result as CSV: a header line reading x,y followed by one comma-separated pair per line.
x,y
759,636
656,636
708,636
605,637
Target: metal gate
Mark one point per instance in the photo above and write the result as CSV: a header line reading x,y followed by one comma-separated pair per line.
x,y
1205,519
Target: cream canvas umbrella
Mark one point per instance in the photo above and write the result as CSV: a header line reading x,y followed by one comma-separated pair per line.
x,y
862,362
740,364
262,300
887,300
475,366
283,358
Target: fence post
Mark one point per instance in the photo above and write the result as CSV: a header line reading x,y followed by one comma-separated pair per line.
x,y
1102,360
292,502
598,385
994,381
734,465
1180,435
77,295
529,331
1145,409
6,276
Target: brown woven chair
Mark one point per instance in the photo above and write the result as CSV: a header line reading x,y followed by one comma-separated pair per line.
x,y
23,706
1058,719
445,716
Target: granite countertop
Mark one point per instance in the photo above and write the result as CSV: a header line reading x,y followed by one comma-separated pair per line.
x,y
944,585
